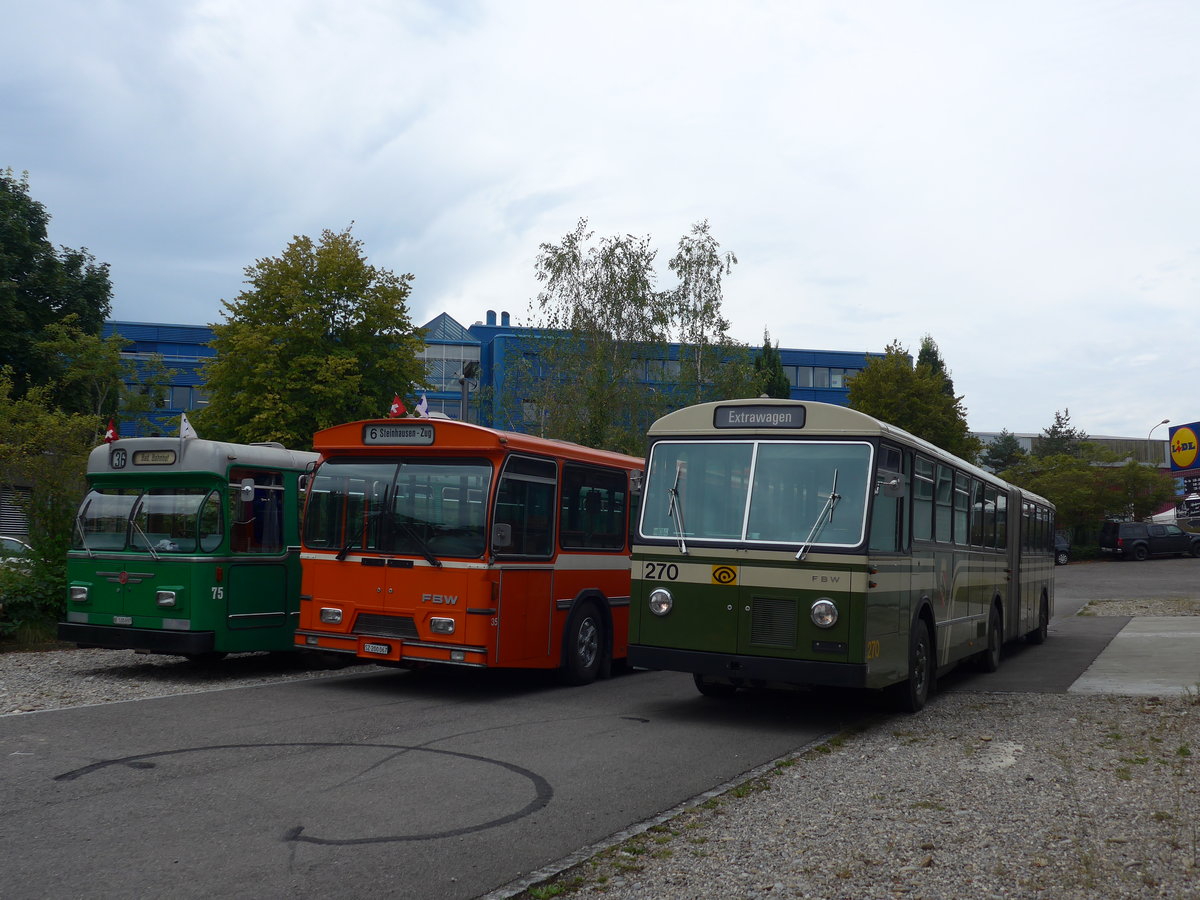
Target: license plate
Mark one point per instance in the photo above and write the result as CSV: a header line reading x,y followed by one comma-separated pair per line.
x,y
382,649
122,620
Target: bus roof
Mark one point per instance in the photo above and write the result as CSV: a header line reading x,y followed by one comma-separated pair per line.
x,y
433,435
771,418
154,455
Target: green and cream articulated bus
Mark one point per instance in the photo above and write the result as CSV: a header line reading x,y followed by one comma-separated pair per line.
x,y
186,546
787,542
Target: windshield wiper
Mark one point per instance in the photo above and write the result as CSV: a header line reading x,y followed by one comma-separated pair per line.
x,y
824,517
422,545
134,525
341,554
83,534
675,508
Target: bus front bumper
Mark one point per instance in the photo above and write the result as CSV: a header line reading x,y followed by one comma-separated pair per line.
x,y
152,640
750,668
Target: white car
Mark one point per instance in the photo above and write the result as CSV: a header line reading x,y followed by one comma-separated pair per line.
x,y
15,554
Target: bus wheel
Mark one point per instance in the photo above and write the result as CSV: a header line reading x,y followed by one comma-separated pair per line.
x,y
718,689
989,661
911,694
584,645
1038,635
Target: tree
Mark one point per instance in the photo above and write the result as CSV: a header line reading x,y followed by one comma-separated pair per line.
x,y
890,388
604,328
1002,453
91,376
44,449
931,357
1073,484
768,371
712,365
318,338
1060,438
1090,483
40,285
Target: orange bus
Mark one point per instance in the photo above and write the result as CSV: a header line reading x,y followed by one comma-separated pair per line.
x,y
433,541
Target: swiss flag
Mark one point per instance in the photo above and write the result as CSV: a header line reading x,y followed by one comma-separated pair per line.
x,y
397,409
110,434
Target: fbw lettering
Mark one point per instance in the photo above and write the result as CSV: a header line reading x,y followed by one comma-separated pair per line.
x,y
445,599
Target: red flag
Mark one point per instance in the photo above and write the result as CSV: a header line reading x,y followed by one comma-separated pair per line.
x,y
397,408
111,434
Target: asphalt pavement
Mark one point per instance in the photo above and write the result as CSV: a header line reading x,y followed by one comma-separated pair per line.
x,y
1147,655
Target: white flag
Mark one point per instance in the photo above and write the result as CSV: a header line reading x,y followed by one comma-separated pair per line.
x,y
185,427
423,408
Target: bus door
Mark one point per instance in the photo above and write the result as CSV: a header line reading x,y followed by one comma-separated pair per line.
x,y
525,614
523,540
256,589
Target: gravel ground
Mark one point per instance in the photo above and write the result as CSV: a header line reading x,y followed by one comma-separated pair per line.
x,y
53,679
981,795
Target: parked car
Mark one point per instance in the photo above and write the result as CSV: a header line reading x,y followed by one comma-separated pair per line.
x,y
1141,540
1062,548
15,554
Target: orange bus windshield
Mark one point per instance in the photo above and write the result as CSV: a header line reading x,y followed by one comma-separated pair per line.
x,y
416,506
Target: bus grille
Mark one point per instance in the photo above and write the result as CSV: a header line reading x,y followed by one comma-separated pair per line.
x,y
773,622
386,626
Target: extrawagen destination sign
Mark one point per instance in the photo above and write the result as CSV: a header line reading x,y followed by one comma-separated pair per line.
x,y
398,435
758,417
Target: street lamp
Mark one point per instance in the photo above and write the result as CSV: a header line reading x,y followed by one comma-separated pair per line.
x,y
1151,431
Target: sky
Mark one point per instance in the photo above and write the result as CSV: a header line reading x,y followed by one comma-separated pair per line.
x,y
1018,180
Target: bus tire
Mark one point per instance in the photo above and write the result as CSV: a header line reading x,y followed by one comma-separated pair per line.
x,y
989,660
583,652
910,695
721,690
1038,635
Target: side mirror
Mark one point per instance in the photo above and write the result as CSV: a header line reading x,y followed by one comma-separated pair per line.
x,y
247,492
501,536
890,484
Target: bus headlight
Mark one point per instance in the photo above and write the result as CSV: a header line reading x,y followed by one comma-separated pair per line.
x,y
331,616
164,598
661,601
441,626
824,613
79,593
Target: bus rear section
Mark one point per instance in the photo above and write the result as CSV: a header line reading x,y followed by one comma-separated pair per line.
x,y
186,547
435,542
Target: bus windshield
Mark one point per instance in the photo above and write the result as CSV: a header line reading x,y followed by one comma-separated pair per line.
x,y
422,507
161,520
758,492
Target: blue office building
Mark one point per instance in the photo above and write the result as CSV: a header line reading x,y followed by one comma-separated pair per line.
x,y
468,368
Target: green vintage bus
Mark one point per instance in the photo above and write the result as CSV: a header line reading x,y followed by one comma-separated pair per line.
x,y
186,546
788,542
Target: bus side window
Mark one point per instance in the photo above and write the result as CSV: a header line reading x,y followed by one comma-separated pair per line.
x,y
890,509
255,511
593,514
525,502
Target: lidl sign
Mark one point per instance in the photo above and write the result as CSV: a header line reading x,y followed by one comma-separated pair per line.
x,y
1183,447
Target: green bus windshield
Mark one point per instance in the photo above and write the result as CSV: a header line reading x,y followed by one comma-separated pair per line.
x,y
758,492
162,520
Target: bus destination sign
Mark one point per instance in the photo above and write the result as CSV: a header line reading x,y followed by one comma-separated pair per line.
x,y
154,457
398,435
758,417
